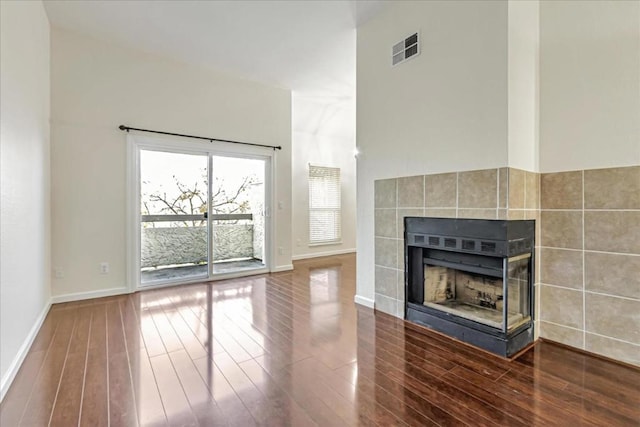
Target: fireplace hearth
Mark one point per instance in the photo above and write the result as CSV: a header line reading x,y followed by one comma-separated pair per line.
x,y
472,280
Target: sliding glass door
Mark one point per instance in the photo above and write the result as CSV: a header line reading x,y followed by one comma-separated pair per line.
x,y
202,216
237,214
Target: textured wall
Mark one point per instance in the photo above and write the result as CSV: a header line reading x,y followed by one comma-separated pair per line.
x,y
183,245
24,179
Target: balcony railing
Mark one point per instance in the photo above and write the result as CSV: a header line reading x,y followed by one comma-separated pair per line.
x,y
200,217
185,240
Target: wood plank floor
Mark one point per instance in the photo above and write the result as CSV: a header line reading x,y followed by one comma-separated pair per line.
x,y
293,349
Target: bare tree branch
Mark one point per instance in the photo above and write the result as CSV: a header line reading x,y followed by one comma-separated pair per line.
x,y
191,200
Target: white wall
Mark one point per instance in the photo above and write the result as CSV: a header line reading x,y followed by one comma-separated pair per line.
x,y
589,84
445,110
96,87
25,182
324,135
523,69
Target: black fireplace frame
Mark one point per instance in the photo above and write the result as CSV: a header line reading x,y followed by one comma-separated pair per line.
x,y
462,241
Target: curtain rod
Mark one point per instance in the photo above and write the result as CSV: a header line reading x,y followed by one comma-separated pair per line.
x,y
128,128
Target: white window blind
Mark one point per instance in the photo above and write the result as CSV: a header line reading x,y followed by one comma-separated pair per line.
x,y
324,205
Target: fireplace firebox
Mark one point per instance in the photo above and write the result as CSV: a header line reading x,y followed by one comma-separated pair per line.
x,y
472,279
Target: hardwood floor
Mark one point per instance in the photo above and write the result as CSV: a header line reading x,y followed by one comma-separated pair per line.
x,y
293,349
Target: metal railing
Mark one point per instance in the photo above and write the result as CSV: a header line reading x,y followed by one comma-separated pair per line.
x,y
200,217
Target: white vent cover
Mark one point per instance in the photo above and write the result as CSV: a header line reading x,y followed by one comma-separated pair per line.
x,y
405,49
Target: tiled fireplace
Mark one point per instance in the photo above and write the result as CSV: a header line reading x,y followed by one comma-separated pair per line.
x,y
587,270
590,259
472,279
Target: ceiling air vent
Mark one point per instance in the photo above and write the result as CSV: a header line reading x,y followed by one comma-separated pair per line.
x,y
405,49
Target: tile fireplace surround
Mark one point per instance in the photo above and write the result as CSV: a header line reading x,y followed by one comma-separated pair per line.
x,y
587,289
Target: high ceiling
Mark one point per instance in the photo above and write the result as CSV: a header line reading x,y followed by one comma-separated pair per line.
x,y
304,45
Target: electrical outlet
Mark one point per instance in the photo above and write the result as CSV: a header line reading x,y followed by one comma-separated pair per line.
x,y
298,243
280,251
104,268
58,272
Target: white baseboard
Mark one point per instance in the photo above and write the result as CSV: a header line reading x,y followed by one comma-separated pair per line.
x,y
367,302
88,295
15,365
280,268
321,254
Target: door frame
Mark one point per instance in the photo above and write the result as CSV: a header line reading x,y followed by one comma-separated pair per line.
x,y
137,142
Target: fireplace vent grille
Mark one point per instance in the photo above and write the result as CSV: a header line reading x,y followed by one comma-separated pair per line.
x,y
468,245
487,247
434,241
450,243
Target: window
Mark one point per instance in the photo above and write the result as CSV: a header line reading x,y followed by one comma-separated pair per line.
x,y
324,205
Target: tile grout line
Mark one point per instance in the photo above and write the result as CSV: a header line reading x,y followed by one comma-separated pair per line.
x,y
385,267
590,210
592,333
457,193
614,339
497,193
395,300
508,190
424,195
584,279
561,325
590,292
524,192
538,245
589,251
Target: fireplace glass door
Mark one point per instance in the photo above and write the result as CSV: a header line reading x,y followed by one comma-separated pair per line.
x,y
480,297
518,276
